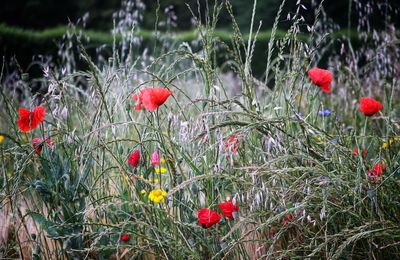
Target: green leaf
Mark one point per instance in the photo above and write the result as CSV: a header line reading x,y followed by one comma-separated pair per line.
x,y
46,225
191,164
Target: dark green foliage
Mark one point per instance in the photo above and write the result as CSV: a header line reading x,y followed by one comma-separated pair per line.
x,y
39,14
64,192
26,43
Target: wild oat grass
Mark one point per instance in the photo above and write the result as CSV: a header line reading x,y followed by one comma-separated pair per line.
x,y
301,191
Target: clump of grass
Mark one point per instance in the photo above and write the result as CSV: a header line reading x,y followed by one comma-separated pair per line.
x,y
300,189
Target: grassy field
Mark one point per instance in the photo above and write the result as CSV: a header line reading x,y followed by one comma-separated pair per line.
x,y
278,160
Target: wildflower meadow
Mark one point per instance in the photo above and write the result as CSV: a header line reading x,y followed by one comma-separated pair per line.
x,y
180,150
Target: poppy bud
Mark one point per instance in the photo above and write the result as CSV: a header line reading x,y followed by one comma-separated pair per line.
x,y
208,218
228,208
134,158
125,237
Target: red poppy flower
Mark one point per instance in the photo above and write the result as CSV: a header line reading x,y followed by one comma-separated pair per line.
x,y
321,78
37,143
125,237
288,218
232,144
29,120
208,218
228,208
355,152
378,170
370,106
151,98
134,158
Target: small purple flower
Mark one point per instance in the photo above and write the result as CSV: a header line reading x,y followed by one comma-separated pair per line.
x,y
325,112
299,115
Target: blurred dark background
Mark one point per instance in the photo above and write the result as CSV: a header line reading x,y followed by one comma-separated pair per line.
x,y
41,14
30,29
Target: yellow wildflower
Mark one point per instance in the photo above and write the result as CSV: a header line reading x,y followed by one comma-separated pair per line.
x,y
390,142
160,170
163,160
1,139
156,180
143,192
157,196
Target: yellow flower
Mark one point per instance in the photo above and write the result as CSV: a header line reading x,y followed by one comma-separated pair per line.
x,y
143,192
1,139
160,170
390,142
163,160
384,146
157,196
156,180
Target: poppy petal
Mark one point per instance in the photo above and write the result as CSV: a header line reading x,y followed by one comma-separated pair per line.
x,y
138,98
321,78
134,158
160,95
325,88
23,112
30,120
151,98
23,121
149,101
370,106
38,116
37,144
228,208
378,169
208,218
